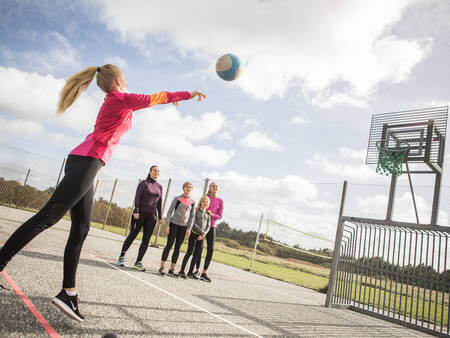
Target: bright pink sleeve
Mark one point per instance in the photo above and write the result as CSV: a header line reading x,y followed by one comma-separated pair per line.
x,y
137,101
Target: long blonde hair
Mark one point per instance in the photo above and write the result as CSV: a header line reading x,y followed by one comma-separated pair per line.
x,y
79,82
209,189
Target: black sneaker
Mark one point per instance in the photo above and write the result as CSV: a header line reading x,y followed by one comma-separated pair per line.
x,y
162,272
193,275
172,273
205,277
68,305
182,274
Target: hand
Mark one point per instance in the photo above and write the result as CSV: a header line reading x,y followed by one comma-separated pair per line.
x,y
188,232
200,95
200,238
209,212
167,229
136,215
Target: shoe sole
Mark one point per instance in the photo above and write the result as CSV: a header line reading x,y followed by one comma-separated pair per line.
x,y
205,280
135,267
66,310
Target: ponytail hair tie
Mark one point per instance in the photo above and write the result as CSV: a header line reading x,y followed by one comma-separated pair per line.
x,y
98,69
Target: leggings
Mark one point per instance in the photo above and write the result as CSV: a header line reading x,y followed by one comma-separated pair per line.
x,y
176,234
194,246
147,221
210,239
75,193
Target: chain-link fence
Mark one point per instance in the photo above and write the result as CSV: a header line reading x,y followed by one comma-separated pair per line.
x,y
299,212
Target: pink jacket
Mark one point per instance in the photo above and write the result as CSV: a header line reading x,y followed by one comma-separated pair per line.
x,y
114,120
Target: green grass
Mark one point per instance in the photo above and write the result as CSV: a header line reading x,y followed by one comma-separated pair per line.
x,y
427,305
295,272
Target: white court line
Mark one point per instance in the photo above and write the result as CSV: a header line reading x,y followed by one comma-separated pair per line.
x,y
179,298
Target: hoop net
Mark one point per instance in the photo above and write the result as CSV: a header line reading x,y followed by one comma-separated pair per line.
x,y
391,159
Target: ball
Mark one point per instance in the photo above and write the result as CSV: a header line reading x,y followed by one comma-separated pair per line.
x,y
228,67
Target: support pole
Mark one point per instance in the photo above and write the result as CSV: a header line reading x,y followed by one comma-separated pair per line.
x,y
337,247
436,199
109,204
155,244
391,200
412,193
256,243
60,172
95,189
205,187
130,215
26,178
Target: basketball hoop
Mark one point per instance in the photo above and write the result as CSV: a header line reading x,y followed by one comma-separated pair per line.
x,y
391,159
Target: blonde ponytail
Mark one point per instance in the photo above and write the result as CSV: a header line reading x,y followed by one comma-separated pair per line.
x,y
79,82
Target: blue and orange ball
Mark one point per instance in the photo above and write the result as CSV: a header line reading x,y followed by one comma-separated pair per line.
x,y
228,67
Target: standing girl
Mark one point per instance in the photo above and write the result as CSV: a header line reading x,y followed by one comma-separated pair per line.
x,y
199,230
216,209
76,190
179,220
147,209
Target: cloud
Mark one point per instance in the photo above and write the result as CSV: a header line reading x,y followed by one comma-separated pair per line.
x,y
259,140
34,97
251,122
298,120
340,59
13,129
166,131
55,54
118,61
361,172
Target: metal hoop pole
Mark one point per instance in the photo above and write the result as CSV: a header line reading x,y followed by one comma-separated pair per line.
x,y
412,192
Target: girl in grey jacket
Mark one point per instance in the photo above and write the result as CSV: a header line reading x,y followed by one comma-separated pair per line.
x,y
199,230
179,219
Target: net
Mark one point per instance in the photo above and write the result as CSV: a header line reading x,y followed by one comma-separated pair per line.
x,y
391,158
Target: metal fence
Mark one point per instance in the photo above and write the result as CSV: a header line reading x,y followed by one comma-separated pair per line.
x,y
394,270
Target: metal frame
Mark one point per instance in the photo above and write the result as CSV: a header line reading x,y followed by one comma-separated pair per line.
x,y
394,271
424,130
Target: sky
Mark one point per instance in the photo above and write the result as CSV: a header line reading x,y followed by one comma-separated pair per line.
x,y
280,139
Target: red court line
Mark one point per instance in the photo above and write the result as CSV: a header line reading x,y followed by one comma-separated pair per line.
x,y
46,325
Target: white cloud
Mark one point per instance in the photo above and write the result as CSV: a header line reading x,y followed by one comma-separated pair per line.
x,y
376,206
251,122
353,154
58,55
34,97
340,59
13,129
118,61
361,172
166,131
298,120
259,140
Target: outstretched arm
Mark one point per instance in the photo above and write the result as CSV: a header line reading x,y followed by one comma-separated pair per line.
x,y
140,101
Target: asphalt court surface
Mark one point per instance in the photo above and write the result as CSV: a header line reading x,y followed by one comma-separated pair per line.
x,y
130,303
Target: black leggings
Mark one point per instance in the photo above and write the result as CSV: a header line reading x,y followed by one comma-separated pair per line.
x,y
75,193
210,239
194,246
147,221
176,234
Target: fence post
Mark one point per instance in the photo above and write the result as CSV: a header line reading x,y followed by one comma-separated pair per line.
x,y
60,172
155,244
337,247
131,214
109,204
95,189
256,242
26,178
205,187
